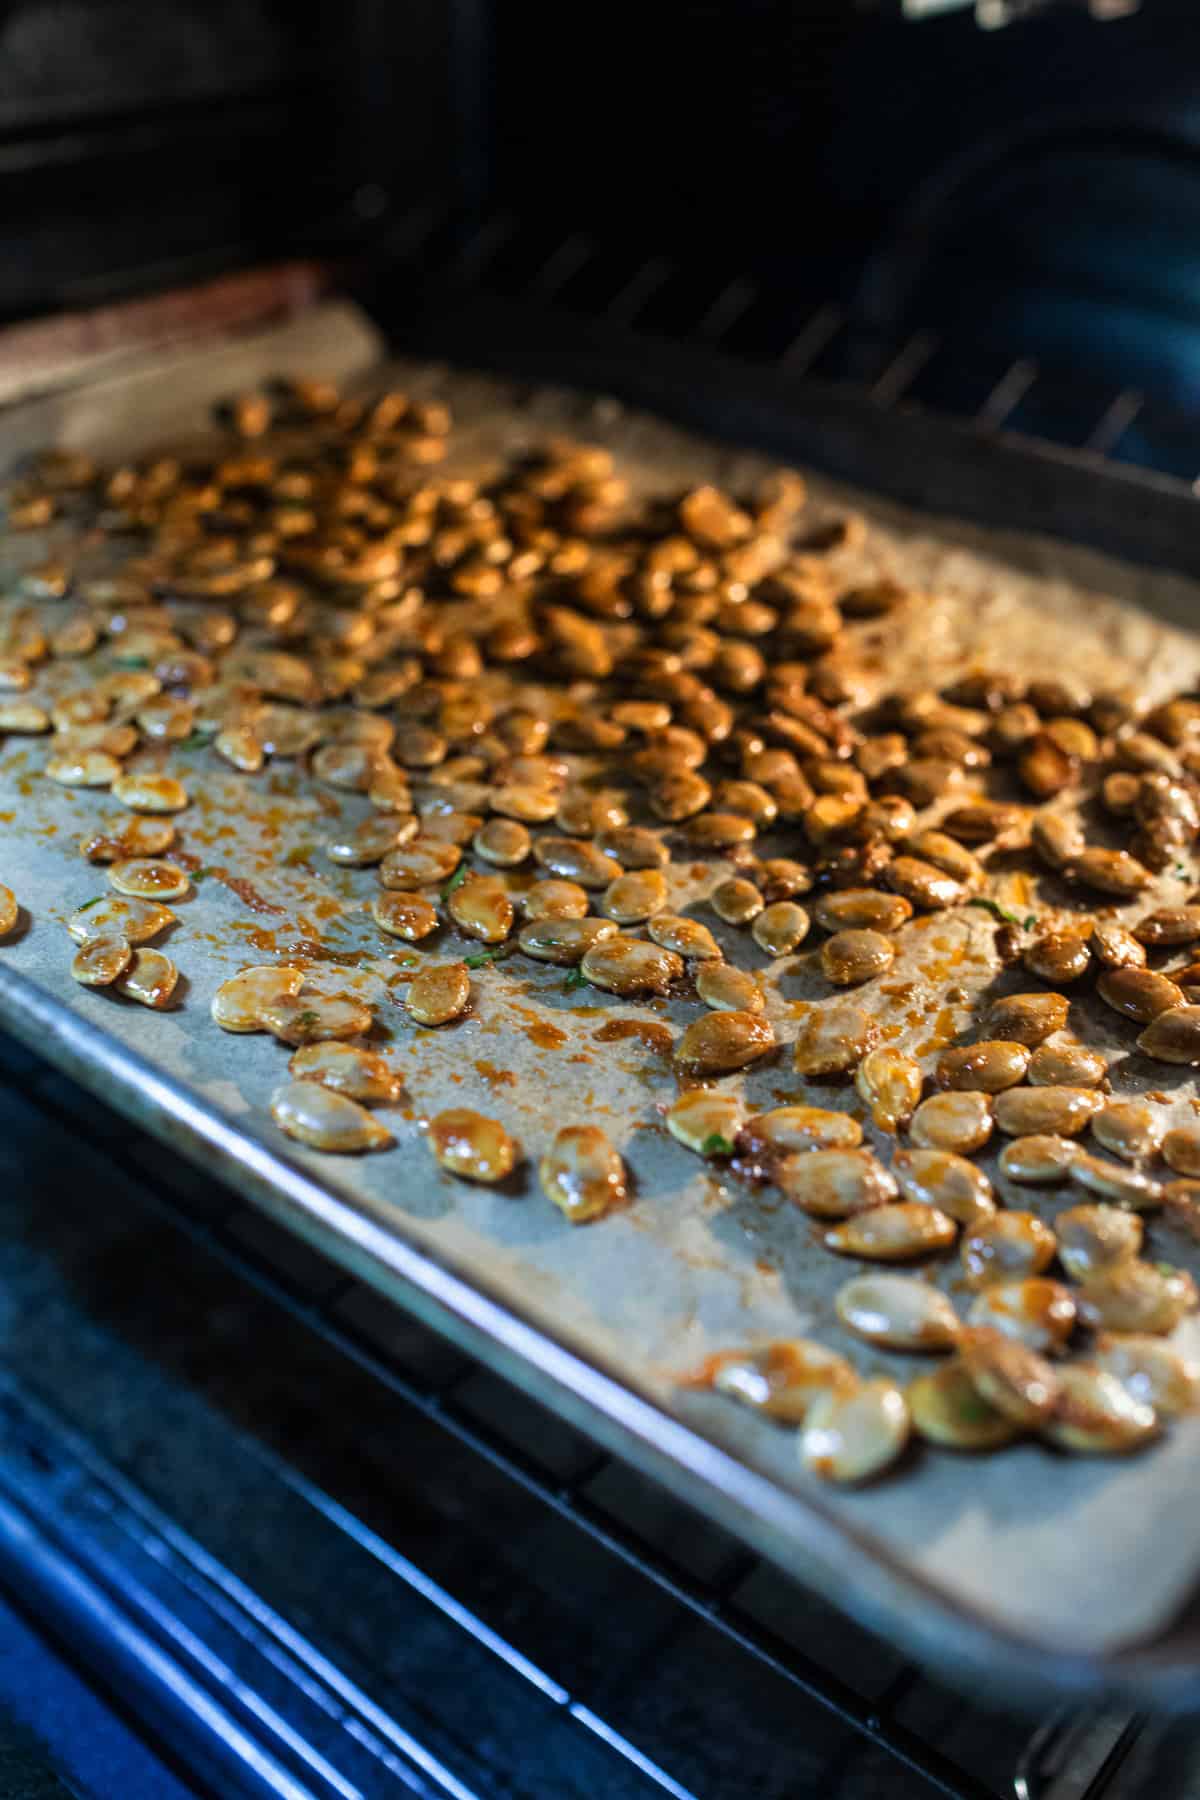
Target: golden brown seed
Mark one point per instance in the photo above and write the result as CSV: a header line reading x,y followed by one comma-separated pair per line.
x,y
721,1042
1131,1129
1058,956
1095,1415
503,842
959,1121
736,901
634,847
1114,946
786,1129
1066,1065
481,908
781,929
23,716
686,937
576,859
84,768
1169,926
948,1409
1046,1111
1092,1238
706,1121
150,793
555,900
625,965
1041,1159
947,854
678,796
1057,840
423,862
1006,1246
1036,1312
563,941
469,1145
897,1312
1137,1296
781,1379
146,878
311,1018
582,1173
851,957
852,1435
862,909
890,1083
895,1233
939,1178
833,1040
630,899
135,920
1173,1036
326,1120
370,841
345,1069
780,878
989,1066
727,989
1028,1018
136,837
440,994
530,802
149,977
1009,1375
1045,767
1112,1181
408,916
1181,1149
99,961
1139,994
238,1003
984,822
1151,1370
923,883
1110,872
833,1184
715,832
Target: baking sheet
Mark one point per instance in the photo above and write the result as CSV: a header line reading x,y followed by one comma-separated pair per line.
x,y
1073,1554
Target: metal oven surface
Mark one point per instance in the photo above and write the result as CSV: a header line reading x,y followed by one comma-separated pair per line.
x,y
976,1563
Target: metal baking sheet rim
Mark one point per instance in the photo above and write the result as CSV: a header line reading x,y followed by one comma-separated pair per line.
x,y
792,1530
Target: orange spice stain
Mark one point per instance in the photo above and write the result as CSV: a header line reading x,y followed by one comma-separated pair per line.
x,y
540,1031
494,1077
945,1030
656,1038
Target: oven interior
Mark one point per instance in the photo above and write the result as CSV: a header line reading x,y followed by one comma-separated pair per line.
x,y
298,1544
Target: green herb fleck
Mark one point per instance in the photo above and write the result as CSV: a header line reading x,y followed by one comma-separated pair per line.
x,y
480,959
90,903
132,662
1030,921
195,740
575,979
997,911
716,1145
1166,1268
201,874
1180,869
456,880
306,1020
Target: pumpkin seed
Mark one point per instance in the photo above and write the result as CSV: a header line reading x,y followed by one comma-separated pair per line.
x,y
240,748
736,901
1173,1036
84,768
862,909
726,989
1010,1376
1153,1372
631,899
582,1173
1109,872
1112,1181
148,879
149,977
370,841
989,1066
481,908
1168,926
1181,1149
833,1040
99,960
833,1184
577,860
853,1435
311,1018
1066,1065
1046,1111
923,883
1005,1247
893,1233
1036,1311
1057,840
1139,994
408,916
686,937
960,1121
238,1003
1091,1238
555,900
1028,1018
634,847
943,1180
422,862
150,793
722,1042
897,1312
1129,1128
503,842
1115,946
1058,956
790,1128
891,1084
1095,1415
948,1409
706,1121
137,921
467,1144
23,716
325,1120
438,995
625,965
1136,1296
782,1379
781,928
345,1069
851,957
1041,1159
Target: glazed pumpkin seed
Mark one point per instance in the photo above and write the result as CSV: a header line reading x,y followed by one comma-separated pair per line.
x,y
960,1121
1173,1036
706,1121
467,1144
948,1409
438,995
149,977
1040,1160
1006,1246
1168,926
238,1003
853,1435
781,928
1011,1377
1139,994
634,847
862,909
346,1069
1109,872
786,1129
503,842
1066,1065
1058,957
988,1067
1181,1150
1115,946
136,837
555,900
311,1018
563,941
1129,1128
890,1083
832,1040
23,716
137,921
527,802
1152,1371
726,989
99,961
721,1042
577,860
326,1120
736,901
851,957
481,908
782,1379
686,937
631,899
1028,1019
625,965
582,1173
1046,1111
781,878
948,1182
114,740
897,1312
84,768
947,854
408,916
150,793
422,861
146,878
833,1184
894,1233
923,883
1094,1415
1036,1311
1057,839
984,822
1091,1238
1131,1295
1113,1181
240,748
371,840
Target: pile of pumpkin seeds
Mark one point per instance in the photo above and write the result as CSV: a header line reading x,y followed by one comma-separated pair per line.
x,y
531,672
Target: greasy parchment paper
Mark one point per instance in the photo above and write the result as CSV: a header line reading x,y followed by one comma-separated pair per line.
x,y
1075,1554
